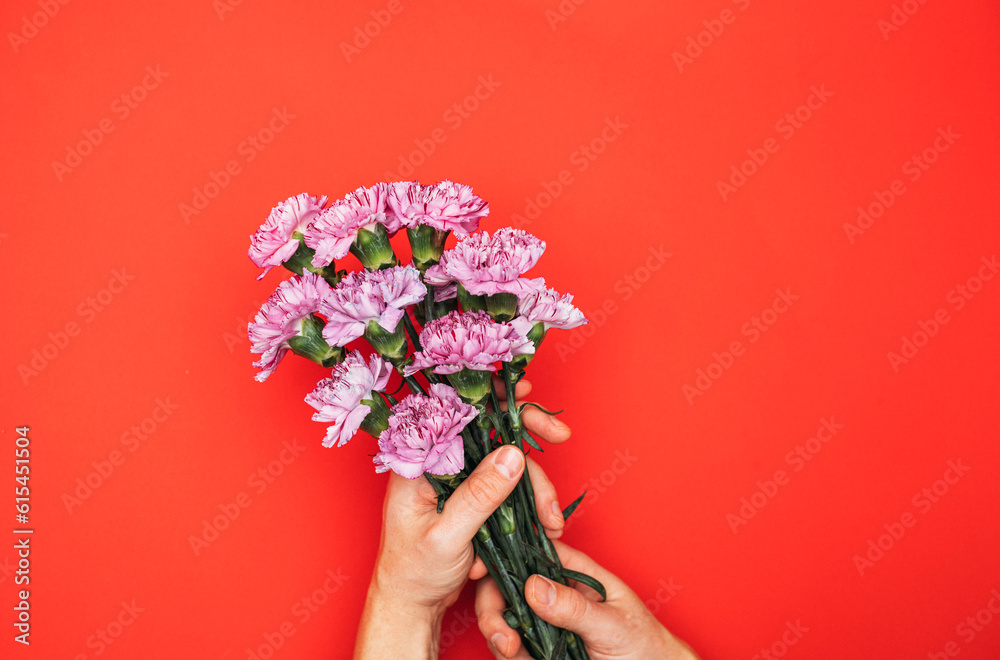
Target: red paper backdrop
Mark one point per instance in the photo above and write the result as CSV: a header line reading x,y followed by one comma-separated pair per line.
x,y
612,131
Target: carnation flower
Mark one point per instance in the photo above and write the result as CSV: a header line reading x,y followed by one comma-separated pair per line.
x,y
286,321
549,308
372,303
359,224
445,206
348,399
466,346
424,434
485,265
275,242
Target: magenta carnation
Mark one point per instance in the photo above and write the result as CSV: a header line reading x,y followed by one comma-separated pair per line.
x,y
338,399
487,265
467,340
424,434
380,295
273,244
334,231
281,317
445,206
550,308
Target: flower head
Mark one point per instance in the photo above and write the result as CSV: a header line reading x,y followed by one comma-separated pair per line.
x,y
275,243
424,434
445,206
467,340
347,398
337,229
488,265
549,308
381,296
285,316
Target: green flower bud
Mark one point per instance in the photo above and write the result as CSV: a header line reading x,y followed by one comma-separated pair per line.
x,y
378,419
502,306
472,385
390,345
469,301
427,244
309,343
372,247
302,261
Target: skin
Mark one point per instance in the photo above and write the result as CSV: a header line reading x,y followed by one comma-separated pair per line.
x,y
620,628
425,558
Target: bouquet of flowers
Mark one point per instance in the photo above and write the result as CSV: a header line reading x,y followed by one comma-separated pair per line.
x,y
447,323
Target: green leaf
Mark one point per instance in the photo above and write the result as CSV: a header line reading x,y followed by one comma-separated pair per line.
x,y
559,650
568,511
531,441
530,403
585,579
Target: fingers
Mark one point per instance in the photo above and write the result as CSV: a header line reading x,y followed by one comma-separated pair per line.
x,y
521,390
542,425
481,493
504,642
546,501
568,608
575,560
478,570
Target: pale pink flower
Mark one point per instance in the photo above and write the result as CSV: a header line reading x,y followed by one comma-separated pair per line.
x,y
486,265
467,340
424,434
334,231
281,317
273,244
338,399
445,206
549,308
363,296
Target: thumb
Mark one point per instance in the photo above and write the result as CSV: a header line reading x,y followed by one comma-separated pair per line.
x,y
483,491
568,608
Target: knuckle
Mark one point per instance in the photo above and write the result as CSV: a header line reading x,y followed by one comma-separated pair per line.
x,y
485,490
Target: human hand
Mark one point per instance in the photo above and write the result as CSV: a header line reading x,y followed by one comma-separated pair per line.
x,y
425,557
620,628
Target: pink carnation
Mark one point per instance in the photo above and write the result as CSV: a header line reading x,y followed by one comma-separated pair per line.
x,y
467,340
424,434
273,243
486,265
363,296
338,399
550,308
280,319
333,232
445,206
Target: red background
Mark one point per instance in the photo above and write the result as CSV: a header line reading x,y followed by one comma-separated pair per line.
x,y
176,332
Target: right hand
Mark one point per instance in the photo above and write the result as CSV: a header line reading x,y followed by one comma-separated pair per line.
x,y
620,628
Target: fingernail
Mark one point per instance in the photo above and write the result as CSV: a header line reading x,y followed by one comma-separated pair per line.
x,y
499,643
556,511
545,591
509,462
558,423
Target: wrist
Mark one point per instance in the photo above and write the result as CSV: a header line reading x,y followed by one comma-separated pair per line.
x,y
394,627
